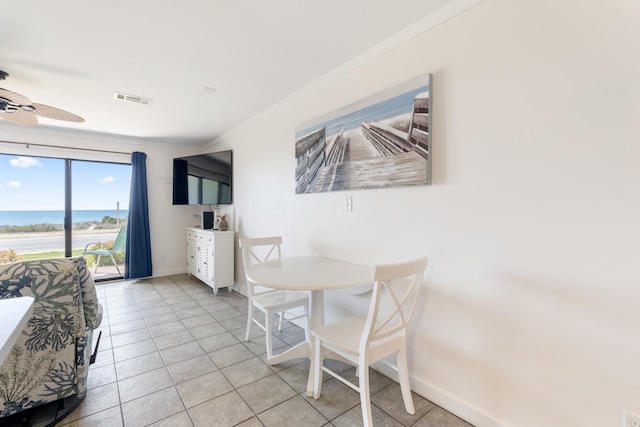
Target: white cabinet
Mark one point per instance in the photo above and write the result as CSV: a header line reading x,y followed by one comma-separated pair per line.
x,y
210,257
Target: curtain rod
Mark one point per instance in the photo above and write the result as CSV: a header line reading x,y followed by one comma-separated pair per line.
x,y
29,144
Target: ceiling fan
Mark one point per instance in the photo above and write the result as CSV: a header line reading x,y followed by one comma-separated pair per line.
x,y
20,110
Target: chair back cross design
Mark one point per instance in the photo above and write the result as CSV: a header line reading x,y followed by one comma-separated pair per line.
x,y
393,302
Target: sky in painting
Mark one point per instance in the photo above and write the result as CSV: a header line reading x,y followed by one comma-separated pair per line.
x,y
391,102
398,105
37,183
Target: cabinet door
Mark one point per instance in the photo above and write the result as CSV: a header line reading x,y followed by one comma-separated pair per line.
x,y
223,260
200,256
206,259
192,253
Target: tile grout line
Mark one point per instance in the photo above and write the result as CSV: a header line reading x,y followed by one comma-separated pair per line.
x,y
139,293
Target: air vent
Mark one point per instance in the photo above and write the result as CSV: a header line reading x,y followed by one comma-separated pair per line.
x,y
132,98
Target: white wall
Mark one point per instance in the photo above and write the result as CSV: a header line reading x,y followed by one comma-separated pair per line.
x,y
530,311
167,222
529,315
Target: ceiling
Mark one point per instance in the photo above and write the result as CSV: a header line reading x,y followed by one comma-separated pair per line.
x,y
75,54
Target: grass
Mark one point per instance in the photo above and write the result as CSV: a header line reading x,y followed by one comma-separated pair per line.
x,y
401,124
43,255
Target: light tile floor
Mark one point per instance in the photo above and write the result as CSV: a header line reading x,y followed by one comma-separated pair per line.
x,y
173,354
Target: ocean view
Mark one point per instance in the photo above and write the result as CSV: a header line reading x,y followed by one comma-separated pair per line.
x,y
56,217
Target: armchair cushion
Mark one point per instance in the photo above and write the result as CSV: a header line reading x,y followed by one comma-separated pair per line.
x,y
50,360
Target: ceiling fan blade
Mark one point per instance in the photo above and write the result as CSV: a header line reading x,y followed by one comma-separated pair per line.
x,y
20,117
16,98
55,113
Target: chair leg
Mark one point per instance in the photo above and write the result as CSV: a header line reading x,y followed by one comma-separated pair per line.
x,y
114,263
249,321
316,367
405,386
365,398
268,336
281,317
97,264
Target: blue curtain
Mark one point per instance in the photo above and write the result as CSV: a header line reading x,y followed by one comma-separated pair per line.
x,y
137,256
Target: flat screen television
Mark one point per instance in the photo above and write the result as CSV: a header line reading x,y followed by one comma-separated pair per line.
x,y
204,179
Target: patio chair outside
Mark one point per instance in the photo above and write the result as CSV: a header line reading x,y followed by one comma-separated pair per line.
x,y
118,246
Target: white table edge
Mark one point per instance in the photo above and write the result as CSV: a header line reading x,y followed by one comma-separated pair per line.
x,y
14,315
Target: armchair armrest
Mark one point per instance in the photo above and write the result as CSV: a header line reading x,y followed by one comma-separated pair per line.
x,y
92,310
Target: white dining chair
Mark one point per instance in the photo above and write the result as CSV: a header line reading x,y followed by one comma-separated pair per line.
x,y
363,340
270,301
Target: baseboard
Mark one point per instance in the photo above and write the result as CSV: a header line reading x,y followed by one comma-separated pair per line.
x,y
236,288
444,399
171,272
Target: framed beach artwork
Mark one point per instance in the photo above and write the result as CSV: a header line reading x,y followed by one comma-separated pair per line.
x,y
381,141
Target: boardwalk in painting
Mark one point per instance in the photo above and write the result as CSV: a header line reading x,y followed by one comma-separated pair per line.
x,y
363,166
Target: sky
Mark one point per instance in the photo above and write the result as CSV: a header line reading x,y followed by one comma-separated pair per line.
x,y
37,183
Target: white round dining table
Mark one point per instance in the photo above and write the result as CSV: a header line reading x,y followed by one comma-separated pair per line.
x,y
315,274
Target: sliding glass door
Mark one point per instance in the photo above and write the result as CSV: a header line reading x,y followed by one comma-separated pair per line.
x,y
100,201
60,207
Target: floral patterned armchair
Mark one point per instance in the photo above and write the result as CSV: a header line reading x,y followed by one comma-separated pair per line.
x,y
51,358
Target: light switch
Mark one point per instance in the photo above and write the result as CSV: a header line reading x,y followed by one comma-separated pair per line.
x,y
349,204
